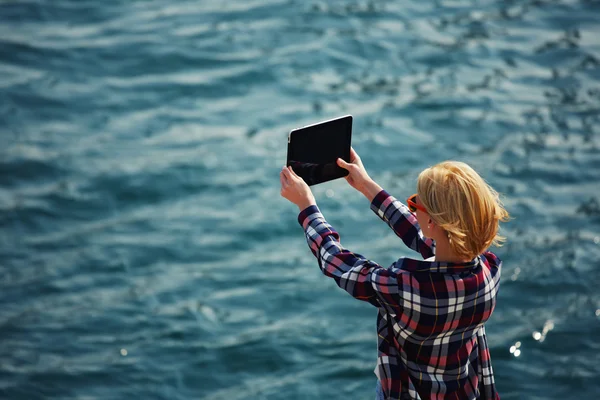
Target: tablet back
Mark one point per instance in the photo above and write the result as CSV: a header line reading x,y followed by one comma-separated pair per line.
x,y
314,149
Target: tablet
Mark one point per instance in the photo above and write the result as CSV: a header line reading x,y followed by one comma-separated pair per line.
x,y
314,149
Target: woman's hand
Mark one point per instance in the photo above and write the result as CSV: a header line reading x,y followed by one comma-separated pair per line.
x,y
295,189
358,177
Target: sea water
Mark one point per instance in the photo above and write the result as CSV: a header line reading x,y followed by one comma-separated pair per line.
x,y
145,251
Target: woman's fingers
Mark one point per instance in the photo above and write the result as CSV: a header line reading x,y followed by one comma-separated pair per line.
x,y
293,173
343,164
289,179
289,175
353,155
283,178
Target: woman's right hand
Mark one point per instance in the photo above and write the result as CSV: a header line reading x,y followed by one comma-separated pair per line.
x,y
357,175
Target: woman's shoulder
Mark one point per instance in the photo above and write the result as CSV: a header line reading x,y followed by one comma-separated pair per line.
x,y
491,260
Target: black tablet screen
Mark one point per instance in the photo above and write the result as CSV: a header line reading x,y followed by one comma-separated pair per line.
x,y
313,150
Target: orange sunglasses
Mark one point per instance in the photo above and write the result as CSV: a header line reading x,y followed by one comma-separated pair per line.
x,y
413,206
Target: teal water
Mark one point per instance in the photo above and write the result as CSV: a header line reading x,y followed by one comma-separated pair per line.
x,y
145,251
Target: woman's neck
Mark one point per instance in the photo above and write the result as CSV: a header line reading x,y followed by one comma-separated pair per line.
x,y
444,253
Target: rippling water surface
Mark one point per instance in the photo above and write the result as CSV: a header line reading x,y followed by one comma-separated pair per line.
x,y
144,249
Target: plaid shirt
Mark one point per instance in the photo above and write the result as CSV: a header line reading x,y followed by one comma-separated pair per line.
x,y
431,338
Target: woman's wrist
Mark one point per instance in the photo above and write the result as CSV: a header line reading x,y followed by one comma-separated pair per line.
x,y
370,189
303,205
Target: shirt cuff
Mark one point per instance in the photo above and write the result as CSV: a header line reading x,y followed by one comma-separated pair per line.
x,y
308,211
379,199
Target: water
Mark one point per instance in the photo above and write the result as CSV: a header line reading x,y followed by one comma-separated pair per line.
x,y
145,251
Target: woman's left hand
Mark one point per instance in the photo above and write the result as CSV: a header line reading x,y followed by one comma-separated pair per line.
x,y
295,189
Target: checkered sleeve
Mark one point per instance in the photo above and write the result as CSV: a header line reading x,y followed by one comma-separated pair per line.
x,y
403,223
363,279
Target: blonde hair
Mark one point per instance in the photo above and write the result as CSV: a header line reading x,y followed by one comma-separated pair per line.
x,y
464,205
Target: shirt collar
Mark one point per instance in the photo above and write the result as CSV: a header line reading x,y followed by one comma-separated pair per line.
x,y
412,265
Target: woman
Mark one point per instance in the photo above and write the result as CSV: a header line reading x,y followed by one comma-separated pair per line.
x,y
431,338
